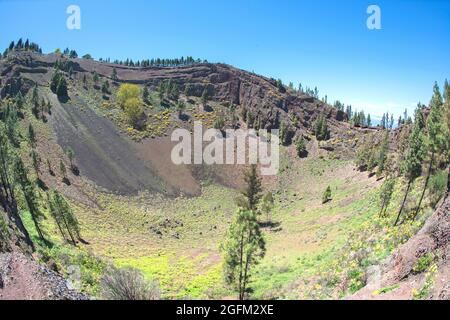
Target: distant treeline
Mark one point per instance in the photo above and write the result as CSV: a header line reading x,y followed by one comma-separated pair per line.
x,y
355,117
158,62
22,46
154,62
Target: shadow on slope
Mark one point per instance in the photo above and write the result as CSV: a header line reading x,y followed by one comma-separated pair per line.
x,y
101,152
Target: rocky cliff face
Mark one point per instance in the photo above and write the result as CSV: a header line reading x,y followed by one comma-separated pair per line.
x,y
269,104
21,278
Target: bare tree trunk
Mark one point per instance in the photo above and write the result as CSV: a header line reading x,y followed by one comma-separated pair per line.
x,y
403,203
14,215
382,209
247,262
38,228
68,231
241,253
245,275
60,229
425,187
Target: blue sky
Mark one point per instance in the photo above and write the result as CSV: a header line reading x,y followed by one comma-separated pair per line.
x,y
323,43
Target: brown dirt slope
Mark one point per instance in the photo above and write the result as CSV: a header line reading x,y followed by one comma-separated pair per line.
x,y
114,162
21,278
102,153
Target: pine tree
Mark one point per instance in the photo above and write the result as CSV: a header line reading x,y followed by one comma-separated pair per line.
x,y
105,87
301,147
71,155
11,124
174,91
438,136
56,215
205,97
349,111
31,136
145,94
243,248
20,101
35,101
8,201
63,170
95,77
326,195
180,108
412,164
447,106
42,108
58,84
114,74
54,81
61,89
386,195
64,216
252,191
447,111
49,167
161,90
383,121
35,161
29,193
383,153
19,44
267,205
6,181
321,128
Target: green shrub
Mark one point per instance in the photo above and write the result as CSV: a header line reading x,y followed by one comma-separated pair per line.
x,y
423,263
128,284
438,185
4,235
301,147
326,195
58,84
219,124
91,267
430,278
321,129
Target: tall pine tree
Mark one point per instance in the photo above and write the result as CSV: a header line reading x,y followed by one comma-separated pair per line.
x,y
438,136
243,248
29,194
64,217
412,164
252,191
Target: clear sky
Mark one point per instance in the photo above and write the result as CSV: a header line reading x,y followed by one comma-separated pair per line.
x,y
323,43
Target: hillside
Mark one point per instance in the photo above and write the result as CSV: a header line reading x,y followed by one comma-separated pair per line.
x,y
401,276
136,208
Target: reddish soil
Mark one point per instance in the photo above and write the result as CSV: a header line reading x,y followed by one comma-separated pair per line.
x,y
21,278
